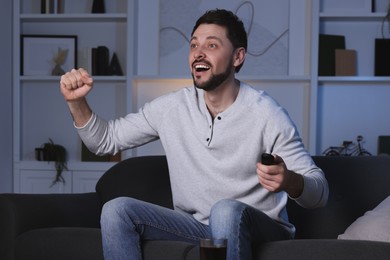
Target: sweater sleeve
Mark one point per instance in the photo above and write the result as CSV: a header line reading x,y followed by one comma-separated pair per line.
x,y
315,192
110,137
288,144
133,130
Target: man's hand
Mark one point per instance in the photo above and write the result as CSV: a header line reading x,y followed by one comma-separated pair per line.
x,y
277,177
75,85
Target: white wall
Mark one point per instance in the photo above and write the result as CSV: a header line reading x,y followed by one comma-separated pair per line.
x,y
162,55
6,96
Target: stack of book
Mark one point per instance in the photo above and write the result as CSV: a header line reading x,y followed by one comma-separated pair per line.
x,y
52,6
96,60
333,58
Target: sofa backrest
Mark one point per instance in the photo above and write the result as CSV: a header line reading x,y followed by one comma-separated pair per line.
x,y
356,185
145,178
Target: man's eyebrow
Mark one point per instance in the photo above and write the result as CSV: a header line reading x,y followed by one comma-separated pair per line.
x,y
215,38
208,38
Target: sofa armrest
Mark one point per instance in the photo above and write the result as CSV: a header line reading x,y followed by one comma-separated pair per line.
x,y
323,249
23,212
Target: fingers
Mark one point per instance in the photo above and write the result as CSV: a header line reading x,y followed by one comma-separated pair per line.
x,y
76,79
85,76
270,182
271,177
69,79
75,84
267,173
270,186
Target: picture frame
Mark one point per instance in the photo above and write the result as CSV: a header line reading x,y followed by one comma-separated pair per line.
x,y
48,55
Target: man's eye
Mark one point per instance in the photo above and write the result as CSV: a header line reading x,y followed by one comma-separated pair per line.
x,y
193,45
212,46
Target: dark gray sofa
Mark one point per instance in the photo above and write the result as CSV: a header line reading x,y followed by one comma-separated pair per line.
x,y
66,226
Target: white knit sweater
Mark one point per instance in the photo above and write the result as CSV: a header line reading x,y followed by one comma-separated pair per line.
x,y
214,159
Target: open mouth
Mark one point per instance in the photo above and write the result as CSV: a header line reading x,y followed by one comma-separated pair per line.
x,y
201,67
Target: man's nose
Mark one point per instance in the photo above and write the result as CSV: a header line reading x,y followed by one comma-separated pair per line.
x,y
199,54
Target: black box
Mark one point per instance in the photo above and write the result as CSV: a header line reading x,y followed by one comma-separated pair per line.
x,y
382,57
384,144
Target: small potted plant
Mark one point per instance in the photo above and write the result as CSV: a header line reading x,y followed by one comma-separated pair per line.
x,y
57,153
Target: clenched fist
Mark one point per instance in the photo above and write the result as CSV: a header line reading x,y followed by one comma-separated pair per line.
x,y
76,84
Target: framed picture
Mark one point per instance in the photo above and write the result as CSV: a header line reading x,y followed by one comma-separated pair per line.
x,y
46,55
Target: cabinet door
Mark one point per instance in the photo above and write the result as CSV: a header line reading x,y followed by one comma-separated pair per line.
x,y
85,181
41,181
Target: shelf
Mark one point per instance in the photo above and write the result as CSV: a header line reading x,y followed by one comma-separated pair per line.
x,y
57,78
243,78
294,79
342,16
355,80
114,17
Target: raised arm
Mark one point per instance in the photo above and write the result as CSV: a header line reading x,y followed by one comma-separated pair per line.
x,y
75,86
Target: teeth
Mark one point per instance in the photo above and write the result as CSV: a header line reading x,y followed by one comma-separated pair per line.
x,y
201,67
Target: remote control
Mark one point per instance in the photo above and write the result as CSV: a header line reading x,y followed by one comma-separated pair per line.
x,y
267,159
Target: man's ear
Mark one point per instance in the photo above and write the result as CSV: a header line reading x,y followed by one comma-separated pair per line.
x,y
239,56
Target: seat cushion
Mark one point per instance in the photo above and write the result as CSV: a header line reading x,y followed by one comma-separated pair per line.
x,y
323,249
169,250
60,244
85,243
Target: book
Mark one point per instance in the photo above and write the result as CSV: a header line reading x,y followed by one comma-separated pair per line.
x,y
100,61
345,62
327,53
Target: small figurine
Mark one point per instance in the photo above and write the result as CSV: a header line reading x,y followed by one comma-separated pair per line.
x,y
59,60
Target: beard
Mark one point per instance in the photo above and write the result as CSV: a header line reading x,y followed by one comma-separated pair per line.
x,y
215,80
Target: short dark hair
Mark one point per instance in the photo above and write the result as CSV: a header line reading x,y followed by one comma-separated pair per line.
x,y
235,27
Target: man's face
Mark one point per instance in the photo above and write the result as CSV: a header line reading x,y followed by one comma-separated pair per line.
x,y
211,56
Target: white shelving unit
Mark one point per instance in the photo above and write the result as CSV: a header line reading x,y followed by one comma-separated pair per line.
x,y
41,113
352,105
326,110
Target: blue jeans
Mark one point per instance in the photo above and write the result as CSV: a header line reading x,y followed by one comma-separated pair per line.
x,y
125,222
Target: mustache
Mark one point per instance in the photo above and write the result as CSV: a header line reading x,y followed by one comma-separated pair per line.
x,y
203,61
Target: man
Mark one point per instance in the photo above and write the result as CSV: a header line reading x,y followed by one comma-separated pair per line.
x,y
214,134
